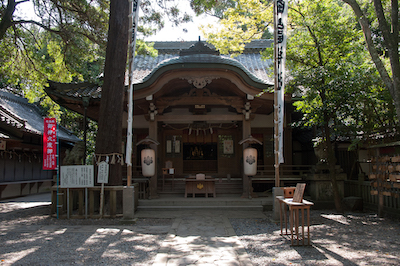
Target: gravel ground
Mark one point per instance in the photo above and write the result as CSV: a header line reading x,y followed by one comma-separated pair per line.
x,y
336,239
31,237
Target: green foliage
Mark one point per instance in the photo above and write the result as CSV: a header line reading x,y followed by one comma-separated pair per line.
x,y
248,20
211,7
329,67
153,14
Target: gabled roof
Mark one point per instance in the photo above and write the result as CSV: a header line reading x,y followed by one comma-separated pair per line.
x,y
17,113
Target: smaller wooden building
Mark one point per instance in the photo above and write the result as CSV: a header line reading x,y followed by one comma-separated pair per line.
x,y
21,151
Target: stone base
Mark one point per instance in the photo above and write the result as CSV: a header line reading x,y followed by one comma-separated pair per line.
x,y
319,186
353,203
276,191
130,200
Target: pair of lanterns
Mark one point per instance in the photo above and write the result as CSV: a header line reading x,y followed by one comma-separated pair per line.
x,y
148,157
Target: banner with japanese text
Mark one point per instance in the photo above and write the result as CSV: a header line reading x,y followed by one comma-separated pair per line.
x,y
280,13
50,144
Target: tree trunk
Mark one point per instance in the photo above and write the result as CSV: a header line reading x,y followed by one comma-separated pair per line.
x,y
331,160
109,136
7,18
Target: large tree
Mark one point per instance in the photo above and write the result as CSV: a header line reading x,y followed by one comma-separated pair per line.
x,y
66,41
380,25
328,66
109,137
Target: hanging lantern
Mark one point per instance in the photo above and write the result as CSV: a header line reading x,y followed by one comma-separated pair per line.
x,y
148,157
148,162
250,156
250,161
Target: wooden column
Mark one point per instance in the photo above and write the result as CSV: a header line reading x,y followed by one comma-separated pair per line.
x,y
247,189
153,179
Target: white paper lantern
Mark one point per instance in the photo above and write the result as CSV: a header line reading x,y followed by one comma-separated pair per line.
x,y
148,162
250,161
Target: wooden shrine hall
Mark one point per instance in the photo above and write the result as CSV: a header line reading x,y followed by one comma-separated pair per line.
x,y
198,105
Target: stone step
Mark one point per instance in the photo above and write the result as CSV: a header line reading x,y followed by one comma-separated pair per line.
x,y
226,202
177,208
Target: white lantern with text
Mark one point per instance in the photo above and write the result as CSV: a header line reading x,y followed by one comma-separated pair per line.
x,y
148,162
250,161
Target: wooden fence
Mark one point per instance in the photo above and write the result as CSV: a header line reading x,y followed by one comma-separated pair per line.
x,y
85,202
363,189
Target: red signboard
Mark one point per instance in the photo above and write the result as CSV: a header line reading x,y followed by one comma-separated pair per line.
x,y
50,144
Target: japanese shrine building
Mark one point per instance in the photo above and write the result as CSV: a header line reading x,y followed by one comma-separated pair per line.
x,y
198,105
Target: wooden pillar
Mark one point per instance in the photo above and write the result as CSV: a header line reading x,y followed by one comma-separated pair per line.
x,y
247,188
153,180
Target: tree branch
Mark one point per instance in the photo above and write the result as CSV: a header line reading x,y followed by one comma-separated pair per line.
x,y
370,45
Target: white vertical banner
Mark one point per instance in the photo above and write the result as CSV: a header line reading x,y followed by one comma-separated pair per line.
x,y
280,20
134,15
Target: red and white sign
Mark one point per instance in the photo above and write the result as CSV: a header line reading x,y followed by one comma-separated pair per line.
x,y
50,144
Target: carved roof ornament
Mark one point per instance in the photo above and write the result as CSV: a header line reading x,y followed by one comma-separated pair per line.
x,y
199,48
200,82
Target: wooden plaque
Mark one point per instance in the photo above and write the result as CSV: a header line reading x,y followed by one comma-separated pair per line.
x,y
299,192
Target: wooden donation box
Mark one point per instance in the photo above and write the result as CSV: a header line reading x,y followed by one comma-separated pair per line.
x,y
200,184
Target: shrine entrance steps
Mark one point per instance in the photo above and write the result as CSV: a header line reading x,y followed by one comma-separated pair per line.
x,y
232,202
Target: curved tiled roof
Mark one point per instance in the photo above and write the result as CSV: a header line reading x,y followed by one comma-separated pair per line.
x,y
76,90
250,64
258,75
17,112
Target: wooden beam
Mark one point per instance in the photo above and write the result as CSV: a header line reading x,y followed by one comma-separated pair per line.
x,y
209,118
233,101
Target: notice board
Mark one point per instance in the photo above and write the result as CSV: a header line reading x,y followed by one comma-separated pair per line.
x,y
77,176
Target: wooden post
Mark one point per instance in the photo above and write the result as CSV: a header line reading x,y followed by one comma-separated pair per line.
x,y
276,113
153,179
133,21
246,132
101,200
113,202
81,201
91,202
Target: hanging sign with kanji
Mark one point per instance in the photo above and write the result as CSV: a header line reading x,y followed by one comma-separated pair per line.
x,y
102,173
50,144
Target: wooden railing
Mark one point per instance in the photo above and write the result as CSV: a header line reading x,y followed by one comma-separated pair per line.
x,y
287,173
143,182
76,203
